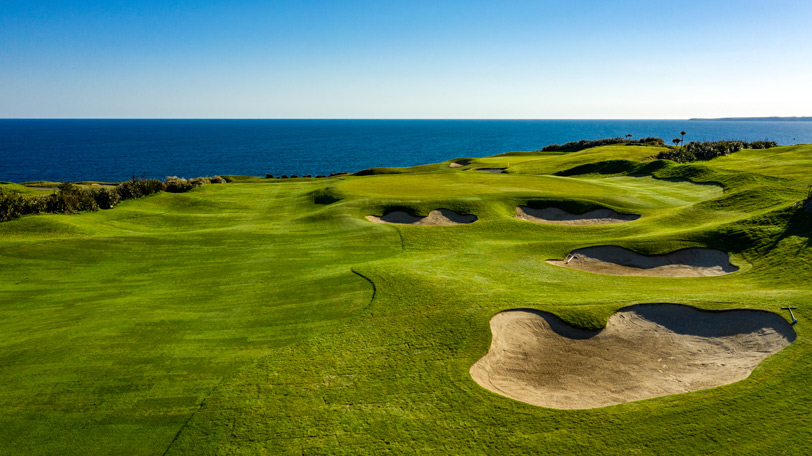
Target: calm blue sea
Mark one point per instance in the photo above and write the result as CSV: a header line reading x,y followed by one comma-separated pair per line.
x,y
114,150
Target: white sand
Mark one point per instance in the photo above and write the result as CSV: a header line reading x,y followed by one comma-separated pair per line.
x,y
557,216
459,163
435,218
645,351
614,260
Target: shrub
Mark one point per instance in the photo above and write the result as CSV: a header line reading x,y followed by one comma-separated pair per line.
x,y
70,199
153,186
35,204
679,156
709,150
217,180
761,144
56,202
12,205
175,184
106,198
269,176
136,188
68,187
198,181
575,146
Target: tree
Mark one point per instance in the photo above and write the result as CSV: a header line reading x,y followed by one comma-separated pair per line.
x,y
628,137
676,141
683,136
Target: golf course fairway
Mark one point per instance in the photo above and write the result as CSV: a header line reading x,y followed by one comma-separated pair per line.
x,y
272,316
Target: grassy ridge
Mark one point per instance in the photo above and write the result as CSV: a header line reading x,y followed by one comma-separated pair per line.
x,y
267,316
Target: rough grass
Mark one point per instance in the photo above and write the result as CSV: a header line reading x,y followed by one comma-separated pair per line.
x,y
262,317
19,189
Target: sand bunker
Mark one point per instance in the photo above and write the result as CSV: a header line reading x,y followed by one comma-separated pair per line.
x,y
614,260
435,217
557,216
459,163
492,170
645,351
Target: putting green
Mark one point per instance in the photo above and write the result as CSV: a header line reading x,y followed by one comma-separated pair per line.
x,y
635,191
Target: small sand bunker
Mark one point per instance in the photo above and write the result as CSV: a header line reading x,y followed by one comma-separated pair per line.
x,y
614,260
459,163
644,351
492,170
560,217
435,217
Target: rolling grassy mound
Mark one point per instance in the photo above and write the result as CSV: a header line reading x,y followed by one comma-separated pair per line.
x,y
269,316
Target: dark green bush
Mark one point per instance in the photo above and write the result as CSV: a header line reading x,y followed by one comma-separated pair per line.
x,y
198,181
217,180
153,186
70,199
128,190
761,145
136,188
106,198
678,155
708,150
11,206
176,184
575,146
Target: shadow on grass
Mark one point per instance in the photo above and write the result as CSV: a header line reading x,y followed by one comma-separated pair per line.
x,y
799,225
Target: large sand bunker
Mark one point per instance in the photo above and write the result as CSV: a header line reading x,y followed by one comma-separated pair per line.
x,y
614,260
645,351
435,217
459,163
557,216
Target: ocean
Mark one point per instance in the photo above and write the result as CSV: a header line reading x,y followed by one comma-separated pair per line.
x,y
115,150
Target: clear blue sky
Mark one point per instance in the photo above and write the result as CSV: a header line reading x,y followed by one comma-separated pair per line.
x,y
410,59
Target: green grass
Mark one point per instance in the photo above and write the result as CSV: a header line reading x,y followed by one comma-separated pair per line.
x,y
33,190
267,316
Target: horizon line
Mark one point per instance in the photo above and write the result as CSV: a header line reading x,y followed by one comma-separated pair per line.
x,y
332,118
765,118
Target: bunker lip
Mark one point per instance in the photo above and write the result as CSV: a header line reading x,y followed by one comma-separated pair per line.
x,y
557,216
645,351
459,163
436,217
615,260
492,170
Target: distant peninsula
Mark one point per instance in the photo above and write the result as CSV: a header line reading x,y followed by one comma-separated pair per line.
x,y
774,118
